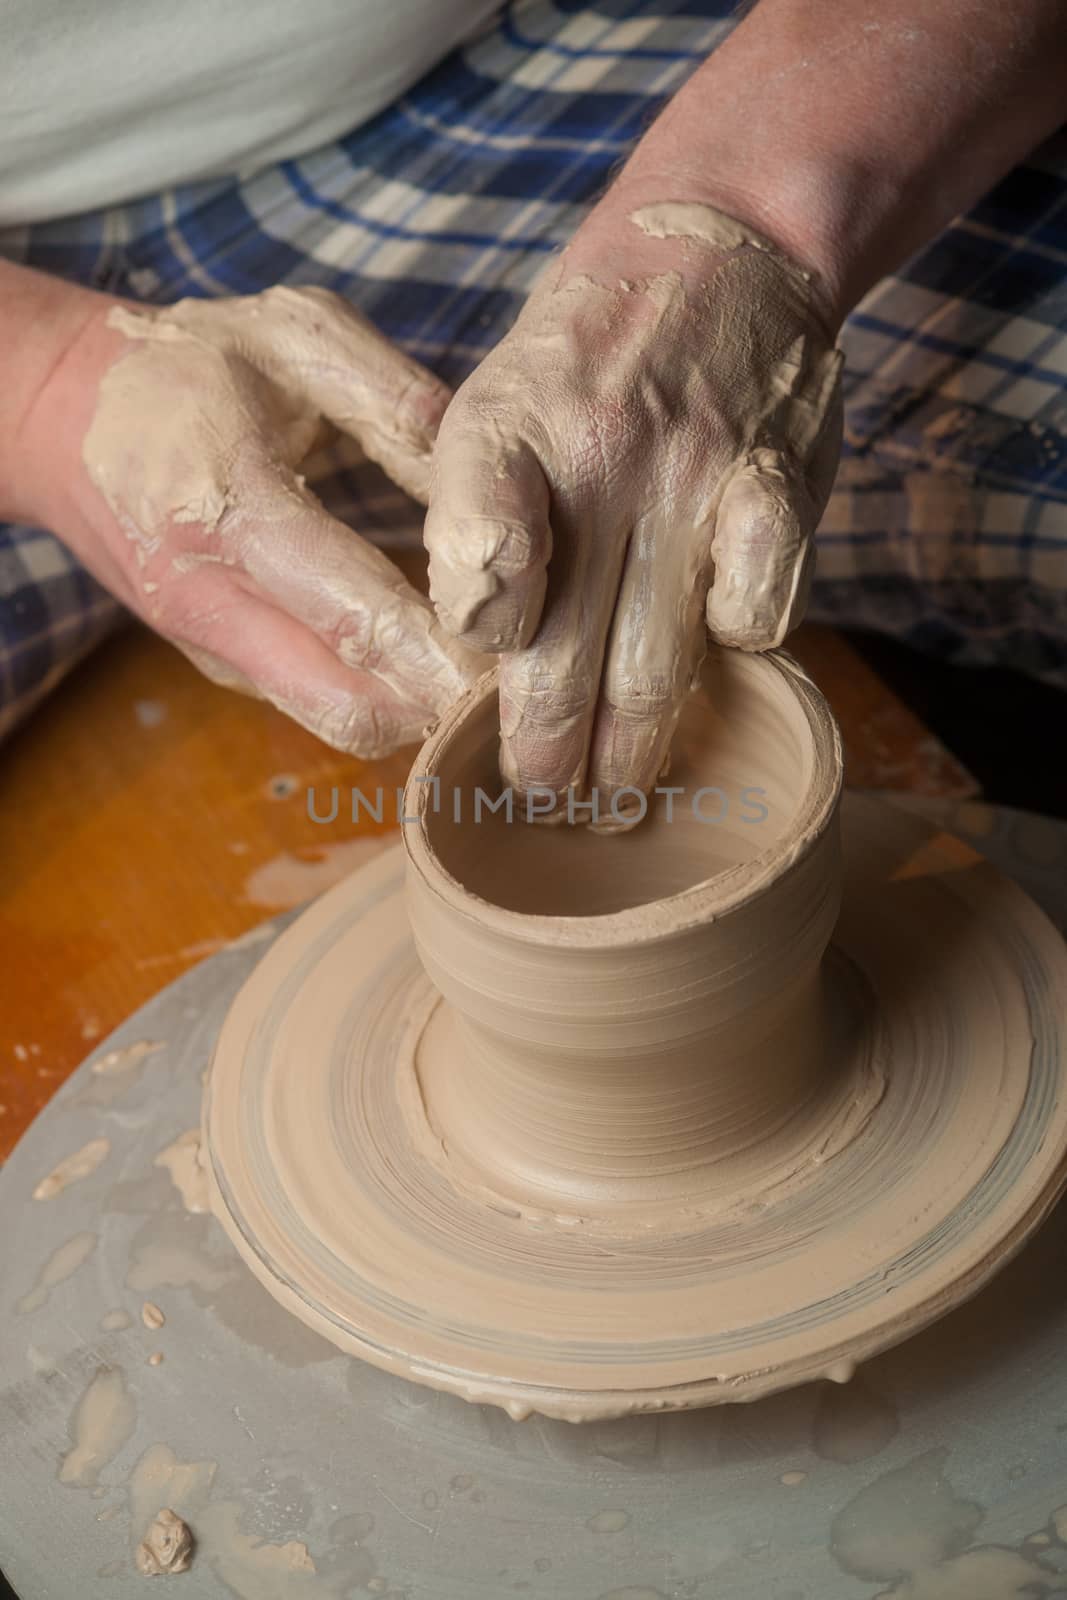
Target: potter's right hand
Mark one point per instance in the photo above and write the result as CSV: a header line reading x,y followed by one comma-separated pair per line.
x,y
164,447
641,460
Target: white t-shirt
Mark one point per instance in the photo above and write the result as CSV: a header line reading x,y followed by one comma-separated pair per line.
x,y
105,100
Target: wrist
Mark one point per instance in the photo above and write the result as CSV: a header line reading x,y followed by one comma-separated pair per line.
x,y
849,135
804,230
623,237
56,345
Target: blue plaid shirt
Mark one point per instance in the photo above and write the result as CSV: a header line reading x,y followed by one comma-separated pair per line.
x,y
948,524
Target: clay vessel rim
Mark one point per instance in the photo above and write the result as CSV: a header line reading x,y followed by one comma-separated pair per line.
x,y
698,904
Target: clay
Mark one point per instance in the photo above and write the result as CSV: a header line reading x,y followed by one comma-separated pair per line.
x,y
608,1522
686,219
166,1547
61,1264
125,1059
160,1479
252,1567
634,1136
631,1091
249,1566
163,1261
182,1161
82,1164
103,1420
910,1530
705,1487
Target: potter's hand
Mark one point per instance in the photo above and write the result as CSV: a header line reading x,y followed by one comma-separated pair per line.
x,y
648,450
178,434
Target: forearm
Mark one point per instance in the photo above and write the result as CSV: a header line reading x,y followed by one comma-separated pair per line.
x,y
851,132
42,322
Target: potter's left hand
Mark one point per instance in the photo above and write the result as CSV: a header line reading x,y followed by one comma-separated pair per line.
x,y
165,446
646,452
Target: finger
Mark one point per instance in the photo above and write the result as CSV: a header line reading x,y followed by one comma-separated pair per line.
x,y
656,644
821,465
347,592
314,342
241,642
218,670
488,535
548,692
763,554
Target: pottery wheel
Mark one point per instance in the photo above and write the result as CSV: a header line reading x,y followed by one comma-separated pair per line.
x,y
938,1471
946,982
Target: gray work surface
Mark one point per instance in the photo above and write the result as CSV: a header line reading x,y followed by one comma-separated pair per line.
x,y
936,1474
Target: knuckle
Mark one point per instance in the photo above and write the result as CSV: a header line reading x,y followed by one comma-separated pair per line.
x,y
475,416
496,626
505,544
168,615
217,669
185,613
368,636
352,726
353,641
199,624
533,695
642,697
198,610
760,510
532,758
305,302
733,621
421,403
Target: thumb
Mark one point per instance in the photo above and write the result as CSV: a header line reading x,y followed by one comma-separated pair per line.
x,y
763,553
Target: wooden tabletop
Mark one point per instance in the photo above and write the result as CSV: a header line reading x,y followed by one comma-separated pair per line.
x,y
147,817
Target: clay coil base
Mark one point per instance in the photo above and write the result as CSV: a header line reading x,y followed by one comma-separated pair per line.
x,y
948,980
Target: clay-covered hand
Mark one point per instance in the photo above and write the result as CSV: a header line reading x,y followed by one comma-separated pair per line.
x,y
192,509
641,460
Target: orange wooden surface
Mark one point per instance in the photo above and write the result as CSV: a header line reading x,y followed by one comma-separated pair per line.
x,y
147,817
